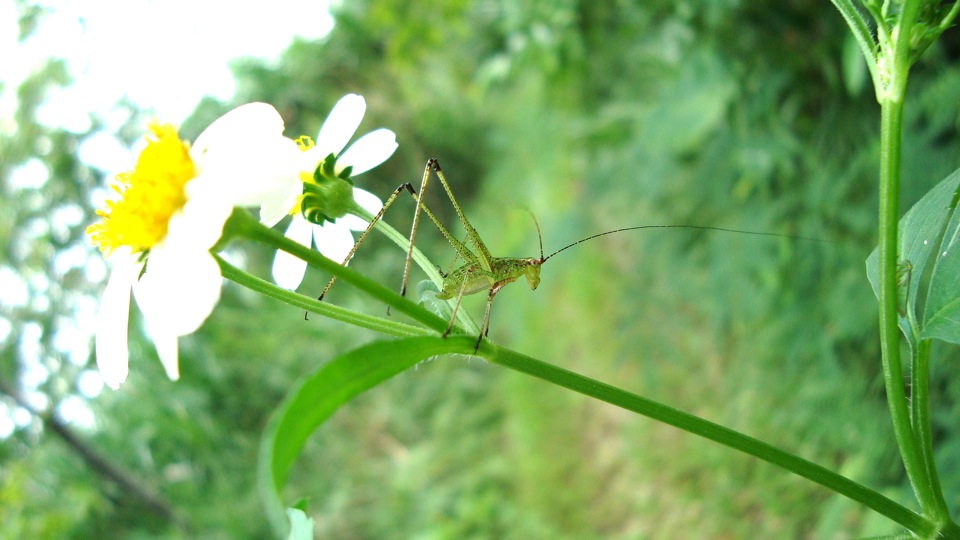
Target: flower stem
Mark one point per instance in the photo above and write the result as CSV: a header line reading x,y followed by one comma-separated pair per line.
x,y
243,224
326,309
466,321
403,243
657,411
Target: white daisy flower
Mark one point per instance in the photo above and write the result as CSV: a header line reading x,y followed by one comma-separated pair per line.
x,y
165,216
332,234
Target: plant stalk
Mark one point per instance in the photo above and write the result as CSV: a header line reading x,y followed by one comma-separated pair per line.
x,y
916,523
370,322
243,224
920,415
891,118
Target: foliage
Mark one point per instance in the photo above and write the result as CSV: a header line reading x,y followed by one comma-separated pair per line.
x,y
596,115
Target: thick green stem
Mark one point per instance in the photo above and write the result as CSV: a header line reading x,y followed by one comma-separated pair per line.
x,y
891,117
920,414
911,520
893,58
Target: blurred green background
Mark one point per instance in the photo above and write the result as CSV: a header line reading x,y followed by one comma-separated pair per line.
x,y
595,115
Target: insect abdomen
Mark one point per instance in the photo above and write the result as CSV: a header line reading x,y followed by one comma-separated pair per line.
x,y
476,280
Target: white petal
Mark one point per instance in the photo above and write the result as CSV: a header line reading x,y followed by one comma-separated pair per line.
x,y
311,158
351,222
251,168
246,155
199,224
166,344
277,207
288,270
255,117
333,241
369,151
113,314
179,289
369,202
341,124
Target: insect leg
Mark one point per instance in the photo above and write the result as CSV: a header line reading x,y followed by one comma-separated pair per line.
x,y
413,228
472,234
456,305
485,327
363,236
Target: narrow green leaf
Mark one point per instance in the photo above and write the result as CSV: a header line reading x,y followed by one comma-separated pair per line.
x,y
919,233
321,393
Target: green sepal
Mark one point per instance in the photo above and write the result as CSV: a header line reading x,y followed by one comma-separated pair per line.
x,y
327,196
326,168
143,258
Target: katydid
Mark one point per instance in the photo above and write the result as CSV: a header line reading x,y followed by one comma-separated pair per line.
x,y
480,270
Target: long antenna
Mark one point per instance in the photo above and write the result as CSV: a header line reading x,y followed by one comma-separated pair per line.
x,y
700,227
539,236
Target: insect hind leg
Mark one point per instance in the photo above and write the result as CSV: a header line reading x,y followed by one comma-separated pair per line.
x,y
456,305
485,327
361,238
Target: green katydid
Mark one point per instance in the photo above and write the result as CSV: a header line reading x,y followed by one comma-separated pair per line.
x,y
481,271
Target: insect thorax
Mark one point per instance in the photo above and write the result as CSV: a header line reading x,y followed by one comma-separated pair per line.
x,y
471,279
508,269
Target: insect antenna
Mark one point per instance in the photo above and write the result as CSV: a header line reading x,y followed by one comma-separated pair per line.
x,y
539,236
698,227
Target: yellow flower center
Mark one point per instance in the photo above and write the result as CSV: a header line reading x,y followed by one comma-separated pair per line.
x,y
147,196
304,143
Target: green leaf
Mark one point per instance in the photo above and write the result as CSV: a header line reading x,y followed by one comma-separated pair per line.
x,y
321,393
919,234
941,317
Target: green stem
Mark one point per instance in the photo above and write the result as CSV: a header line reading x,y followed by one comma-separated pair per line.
x,y
326,309
910,423
466,321
714,432
948,19
891,123
920,414
243,224
402,242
